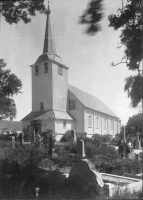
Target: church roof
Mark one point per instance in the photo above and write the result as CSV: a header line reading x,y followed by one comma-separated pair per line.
x,y
6,125
52,114
90,101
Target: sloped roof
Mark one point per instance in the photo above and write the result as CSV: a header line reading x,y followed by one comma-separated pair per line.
x,y
6,125
90,101
53,114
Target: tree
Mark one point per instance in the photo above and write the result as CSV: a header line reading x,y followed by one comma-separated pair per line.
x,y
9,86
15,10
131,36
134,124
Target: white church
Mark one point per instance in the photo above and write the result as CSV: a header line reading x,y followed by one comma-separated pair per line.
x,y
60,106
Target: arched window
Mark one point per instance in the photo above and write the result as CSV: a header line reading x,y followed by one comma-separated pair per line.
x,y
36,70
111,125
97,122
89,121
46,67
104,124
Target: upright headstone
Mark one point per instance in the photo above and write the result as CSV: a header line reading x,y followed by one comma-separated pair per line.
x,y
124,134
73,135
71,144
80,148
137,143
13,142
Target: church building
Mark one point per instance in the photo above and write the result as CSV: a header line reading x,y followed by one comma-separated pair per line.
x,y
60,106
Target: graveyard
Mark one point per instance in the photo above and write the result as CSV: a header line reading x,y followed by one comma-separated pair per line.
x,y
77,168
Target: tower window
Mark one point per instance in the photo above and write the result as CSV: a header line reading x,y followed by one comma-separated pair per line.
x,y
71,104
46,67
89,121
64,124
36,70
60,70
42,106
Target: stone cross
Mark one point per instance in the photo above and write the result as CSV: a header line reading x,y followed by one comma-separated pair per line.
x,y
137,143
80,148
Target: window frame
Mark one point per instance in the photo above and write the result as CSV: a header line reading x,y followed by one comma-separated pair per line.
x,y
111,125
41,105
60,70
36,70
46,67
97,122
64,124
105,124
89,121
72,105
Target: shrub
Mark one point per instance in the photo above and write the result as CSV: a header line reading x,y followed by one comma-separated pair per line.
x,y
66,136
97,139
23,161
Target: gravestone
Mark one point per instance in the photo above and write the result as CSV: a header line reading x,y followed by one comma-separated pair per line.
x,y
83,173
73,135
72,141
13,142
71,144
137,143
80,148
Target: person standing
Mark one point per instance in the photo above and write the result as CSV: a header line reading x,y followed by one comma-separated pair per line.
x,y
129,149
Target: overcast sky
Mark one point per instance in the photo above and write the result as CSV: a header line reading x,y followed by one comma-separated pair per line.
x,y
89,58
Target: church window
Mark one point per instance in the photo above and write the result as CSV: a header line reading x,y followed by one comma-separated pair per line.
x,y
111,125
36,70
71,104
89,121
42,106
104,124
64,124
46,67
60,70
97,122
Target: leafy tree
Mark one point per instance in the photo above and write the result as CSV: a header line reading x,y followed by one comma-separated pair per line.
x,y
15,10
9,86
131,36
134,124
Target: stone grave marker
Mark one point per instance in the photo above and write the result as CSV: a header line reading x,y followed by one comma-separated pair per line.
x,y
83,173
137,143
80,148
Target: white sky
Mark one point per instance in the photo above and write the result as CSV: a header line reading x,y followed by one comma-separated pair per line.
x,y
89,58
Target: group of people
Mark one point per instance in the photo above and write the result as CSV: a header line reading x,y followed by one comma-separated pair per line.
x,y
125,148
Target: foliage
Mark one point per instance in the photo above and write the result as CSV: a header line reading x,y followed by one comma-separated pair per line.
x,y
23,161
131,37
66,136
15,10
10,85
47,135
117,166
134,124
92,16
97,139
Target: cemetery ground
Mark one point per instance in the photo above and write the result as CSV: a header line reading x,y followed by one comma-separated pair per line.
x,y
29,168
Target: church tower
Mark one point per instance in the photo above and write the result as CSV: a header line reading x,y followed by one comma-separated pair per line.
x,y
49,87
49,76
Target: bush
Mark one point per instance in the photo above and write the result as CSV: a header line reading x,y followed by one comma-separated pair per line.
x,y
23,161
97,139
66,136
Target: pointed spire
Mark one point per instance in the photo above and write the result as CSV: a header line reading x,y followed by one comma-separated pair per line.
x,y
49,43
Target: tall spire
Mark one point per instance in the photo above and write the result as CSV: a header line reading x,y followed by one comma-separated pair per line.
x,y
49,43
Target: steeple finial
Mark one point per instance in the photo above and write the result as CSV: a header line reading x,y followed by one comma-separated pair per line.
x,y
49,43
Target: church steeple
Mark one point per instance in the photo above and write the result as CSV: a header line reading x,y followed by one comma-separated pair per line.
x,y
49,42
